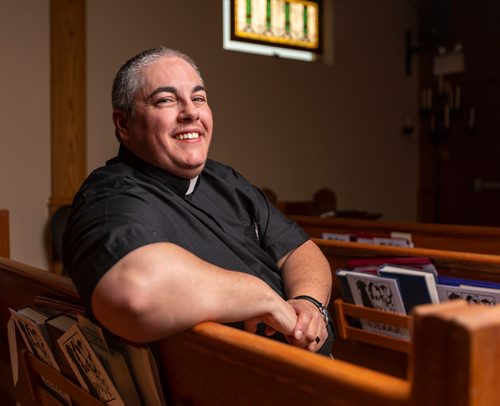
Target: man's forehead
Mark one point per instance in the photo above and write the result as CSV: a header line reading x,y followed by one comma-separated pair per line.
x,y
169,64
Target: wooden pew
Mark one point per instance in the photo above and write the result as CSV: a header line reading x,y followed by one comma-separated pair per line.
x,y
19,284
451,237
213,364
323,202
4,233
451,263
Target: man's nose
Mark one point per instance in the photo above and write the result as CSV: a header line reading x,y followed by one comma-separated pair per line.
x,y
188,112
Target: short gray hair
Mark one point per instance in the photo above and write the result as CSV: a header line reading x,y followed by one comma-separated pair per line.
x,y
129,77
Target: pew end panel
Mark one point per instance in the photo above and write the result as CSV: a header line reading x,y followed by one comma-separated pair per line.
x,y
460,351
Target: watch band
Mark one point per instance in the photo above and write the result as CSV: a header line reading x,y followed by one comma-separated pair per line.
x,y
316,303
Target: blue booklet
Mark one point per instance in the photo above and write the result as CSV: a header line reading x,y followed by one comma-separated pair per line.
x,y
416,286
452,281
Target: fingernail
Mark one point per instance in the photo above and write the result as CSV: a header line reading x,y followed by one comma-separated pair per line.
x,y
298,334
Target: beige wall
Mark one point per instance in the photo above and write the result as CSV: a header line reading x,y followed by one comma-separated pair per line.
x,y
288,125
25,125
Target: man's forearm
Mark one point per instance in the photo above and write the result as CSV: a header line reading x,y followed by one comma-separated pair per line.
x,y
160,289
306,271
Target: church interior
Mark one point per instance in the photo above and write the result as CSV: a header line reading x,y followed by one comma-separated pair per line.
x,y
389,131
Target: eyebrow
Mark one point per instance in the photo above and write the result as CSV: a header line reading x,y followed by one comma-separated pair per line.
x,y
172,89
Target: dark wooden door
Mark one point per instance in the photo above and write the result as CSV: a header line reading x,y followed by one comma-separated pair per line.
x,y
460,154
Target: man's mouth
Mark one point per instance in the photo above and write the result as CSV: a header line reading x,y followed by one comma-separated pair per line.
x,y
187,136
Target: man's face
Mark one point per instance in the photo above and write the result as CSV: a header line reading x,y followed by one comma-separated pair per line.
x,y
172,124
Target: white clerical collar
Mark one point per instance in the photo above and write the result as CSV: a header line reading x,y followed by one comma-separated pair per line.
x,y
192,184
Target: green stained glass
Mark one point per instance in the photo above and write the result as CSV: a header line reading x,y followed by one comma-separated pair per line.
x,y
287,17
268,15
249,12
287,23
305,21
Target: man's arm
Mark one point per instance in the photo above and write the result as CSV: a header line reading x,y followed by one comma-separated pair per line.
x,y
160,289
306,271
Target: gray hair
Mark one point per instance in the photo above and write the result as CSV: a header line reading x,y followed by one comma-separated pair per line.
x,y
129,78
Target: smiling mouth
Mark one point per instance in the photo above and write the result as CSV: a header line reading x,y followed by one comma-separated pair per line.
x,y
187,136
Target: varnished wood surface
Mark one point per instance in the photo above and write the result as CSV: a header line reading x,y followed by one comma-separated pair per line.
x,y
465,238
212,364
68,105
4,233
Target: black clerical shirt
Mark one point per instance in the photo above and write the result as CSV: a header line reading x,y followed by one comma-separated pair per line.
x,y
129,203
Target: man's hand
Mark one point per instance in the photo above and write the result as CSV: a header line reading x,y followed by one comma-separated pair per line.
x,y
282,319
310,332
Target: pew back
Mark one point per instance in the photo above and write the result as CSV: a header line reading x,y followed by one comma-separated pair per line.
x,y
214,364
211,363
465,238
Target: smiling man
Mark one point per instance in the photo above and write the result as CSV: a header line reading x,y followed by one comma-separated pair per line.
x,y
162,238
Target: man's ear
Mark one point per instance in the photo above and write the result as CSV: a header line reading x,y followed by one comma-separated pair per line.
x,y
121,125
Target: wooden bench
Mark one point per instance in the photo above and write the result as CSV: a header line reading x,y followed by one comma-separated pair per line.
x,y
4,233
392,357
455,352
323,202
451,237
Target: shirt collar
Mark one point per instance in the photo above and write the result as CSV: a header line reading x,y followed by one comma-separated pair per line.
x,y
178,185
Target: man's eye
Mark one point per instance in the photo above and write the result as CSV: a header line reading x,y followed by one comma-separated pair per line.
x,y
199,99
165,100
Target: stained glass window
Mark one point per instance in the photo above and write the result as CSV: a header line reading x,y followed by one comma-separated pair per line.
x,y
290,23
281,24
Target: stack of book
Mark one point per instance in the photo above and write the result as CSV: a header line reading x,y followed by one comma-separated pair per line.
x,y
112,370
394,241
397,285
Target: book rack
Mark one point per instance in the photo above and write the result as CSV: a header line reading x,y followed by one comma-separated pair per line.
x,y
36,369
348,332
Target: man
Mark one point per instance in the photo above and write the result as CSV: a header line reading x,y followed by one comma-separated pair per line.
x,y
161,238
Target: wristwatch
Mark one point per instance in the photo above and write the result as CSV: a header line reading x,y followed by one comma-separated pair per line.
x,y
316,303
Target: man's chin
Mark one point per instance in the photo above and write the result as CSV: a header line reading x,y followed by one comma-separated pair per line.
x,y
190,171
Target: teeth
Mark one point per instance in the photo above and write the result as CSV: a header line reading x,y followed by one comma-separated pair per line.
x,y
188,136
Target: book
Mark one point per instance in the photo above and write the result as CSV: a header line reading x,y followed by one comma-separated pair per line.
x,y
379,293
144,370
54,306
336,236
87,367
113,361
393,242
471,294
345,293
416,286
30,323
372,264
453,281
343,284
56,326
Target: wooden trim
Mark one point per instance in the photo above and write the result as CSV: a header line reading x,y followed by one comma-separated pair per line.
x,y
68,103
4,234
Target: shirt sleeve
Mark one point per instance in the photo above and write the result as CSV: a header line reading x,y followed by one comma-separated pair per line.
x,y
100,233
278,234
